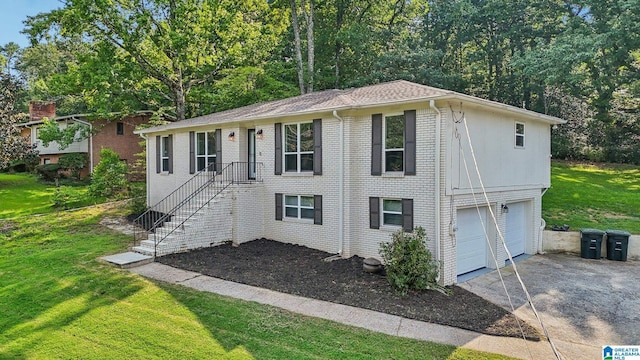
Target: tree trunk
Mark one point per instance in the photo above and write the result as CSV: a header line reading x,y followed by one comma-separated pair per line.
x,y
309,15
298,45
338,48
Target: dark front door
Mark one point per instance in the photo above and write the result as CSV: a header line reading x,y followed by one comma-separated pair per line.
x,y
252,154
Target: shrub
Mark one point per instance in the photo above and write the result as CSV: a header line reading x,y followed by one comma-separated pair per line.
x,y
73,162
48,172
408,262
63,197
109,177
137,205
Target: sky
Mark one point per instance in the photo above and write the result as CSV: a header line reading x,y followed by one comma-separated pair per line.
x,y
14,12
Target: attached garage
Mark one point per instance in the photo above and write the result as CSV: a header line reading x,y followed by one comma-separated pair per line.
x,y
471,242
516,228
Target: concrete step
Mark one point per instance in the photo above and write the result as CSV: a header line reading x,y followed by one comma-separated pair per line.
x,y
129,259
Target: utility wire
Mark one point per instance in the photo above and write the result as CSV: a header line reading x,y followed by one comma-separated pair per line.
x,y
524,288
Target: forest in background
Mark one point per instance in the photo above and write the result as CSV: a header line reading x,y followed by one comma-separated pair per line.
x,y
578,60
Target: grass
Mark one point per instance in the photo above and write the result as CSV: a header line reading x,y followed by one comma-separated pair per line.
x,y
23,194
57,300
593,196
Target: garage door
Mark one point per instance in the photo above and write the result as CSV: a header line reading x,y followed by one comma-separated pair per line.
x,y
516,231
471,244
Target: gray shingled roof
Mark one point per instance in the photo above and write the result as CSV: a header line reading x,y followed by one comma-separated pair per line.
x,y
393,92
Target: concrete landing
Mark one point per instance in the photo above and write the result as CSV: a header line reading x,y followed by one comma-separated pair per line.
x,y
128,260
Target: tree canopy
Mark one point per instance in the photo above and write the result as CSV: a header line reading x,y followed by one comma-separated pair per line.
x,y
578,59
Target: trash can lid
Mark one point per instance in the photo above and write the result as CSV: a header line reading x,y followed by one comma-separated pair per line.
x,y
592,231
618,232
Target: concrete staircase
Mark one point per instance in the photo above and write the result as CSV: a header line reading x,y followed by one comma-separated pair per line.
x,y
203,222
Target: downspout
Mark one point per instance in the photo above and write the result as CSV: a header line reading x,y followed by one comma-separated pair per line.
x,y
146,160
90,142
340,186
432,105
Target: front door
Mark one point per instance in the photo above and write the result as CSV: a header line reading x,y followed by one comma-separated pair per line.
x,y
252,154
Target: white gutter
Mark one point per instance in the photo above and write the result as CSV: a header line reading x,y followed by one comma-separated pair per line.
x,y
90,138
340,186
432,104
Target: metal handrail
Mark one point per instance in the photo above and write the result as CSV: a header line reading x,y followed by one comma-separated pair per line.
x,y
181,198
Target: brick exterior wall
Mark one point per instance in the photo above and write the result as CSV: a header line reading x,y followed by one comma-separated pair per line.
x,y
126,145
253,209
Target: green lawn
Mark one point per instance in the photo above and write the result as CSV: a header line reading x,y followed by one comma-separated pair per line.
x,y
590,196
23,194
58,301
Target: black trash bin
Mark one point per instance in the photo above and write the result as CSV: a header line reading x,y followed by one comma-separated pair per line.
x,y
617,245
591,243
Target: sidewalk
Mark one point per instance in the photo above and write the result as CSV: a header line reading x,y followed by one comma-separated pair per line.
x,y
349,315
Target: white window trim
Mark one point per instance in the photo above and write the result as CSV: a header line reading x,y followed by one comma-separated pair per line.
x,y
516,135
299,207
384,146
298,153
206,149
391,227
162,151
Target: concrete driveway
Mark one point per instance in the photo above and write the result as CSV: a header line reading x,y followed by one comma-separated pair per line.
x,y
584,303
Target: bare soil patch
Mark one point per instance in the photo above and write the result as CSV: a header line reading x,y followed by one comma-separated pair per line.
x,y
301,271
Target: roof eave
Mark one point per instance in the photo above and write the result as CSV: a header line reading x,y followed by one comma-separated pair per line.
x,y
448,96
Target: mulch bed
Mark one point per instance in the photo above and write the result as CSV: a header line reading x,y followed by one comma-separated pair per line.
x,y
299,270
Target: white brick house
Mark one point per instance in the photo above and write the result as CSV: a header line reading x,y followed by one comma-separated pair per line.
x,y
340,170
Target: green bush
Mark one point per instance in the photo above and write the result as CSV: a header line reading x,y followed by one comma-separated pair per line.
x,y
48,172
109,177
64,197
408,262
73,162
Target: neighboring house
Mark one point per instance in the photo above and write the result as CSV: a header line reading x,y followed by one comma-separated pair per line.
x,y
341,170
106,133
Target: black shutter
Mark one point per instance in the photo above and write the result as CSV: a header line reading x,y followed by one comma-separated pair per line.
x,y
317,146
170,151
192,152
278,154
376,144
158,154
410,142
218,150
407,215
374,213
317,209
278,206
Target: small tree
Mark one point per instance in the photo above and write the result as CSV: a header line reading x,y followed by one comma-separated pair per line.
x,y
408,262
109,176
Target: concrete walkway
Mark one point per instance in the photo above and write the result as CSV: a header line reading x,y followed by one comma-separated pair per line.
x,y
349,315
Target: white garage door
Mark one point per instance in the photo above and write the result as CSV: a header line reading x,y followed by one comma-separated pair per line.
x,y
471,244
516,231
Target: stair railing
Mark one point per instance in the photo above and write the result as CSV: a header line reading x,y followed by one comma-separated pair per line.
x,y
211,181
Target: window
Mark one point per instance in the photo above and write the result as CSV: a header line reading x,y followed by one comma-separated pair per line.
x,y
46,161
298,206
392,212
519,134
165,153
119,128
298,147
206,150
394,143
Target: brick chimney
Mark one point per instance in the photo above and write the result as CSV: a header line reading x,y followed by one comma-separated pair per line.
x,y
42,109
